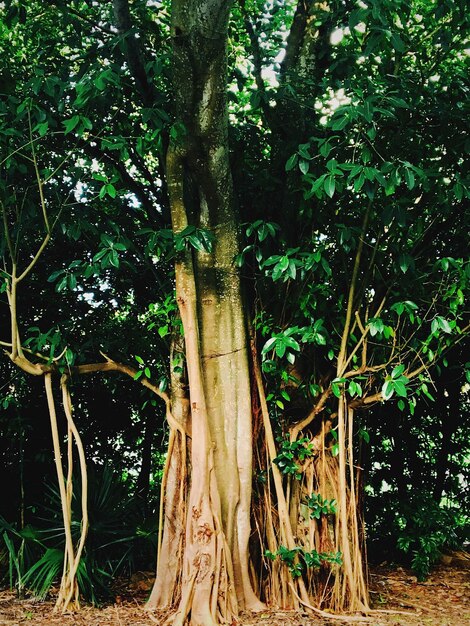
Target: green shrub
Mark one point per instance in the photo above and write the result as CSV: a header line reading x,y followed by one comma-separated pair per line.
x,y
426,529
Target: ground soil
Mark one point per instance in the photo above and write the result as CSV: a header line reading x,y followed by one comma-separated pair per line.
x,y
442,600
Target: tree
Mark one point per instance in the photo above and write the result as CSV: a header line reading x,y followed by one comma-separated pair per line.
x,y
344,174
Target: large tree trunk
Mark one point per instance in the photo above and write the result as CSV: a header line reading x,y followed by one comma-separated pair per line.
x,y
215,581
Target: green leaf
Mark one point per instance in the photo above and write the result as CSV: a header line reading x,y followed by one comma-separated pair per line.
x,y
280,348
329,186
340,122
304,166
71,124
269,345
86,122
113,258
400,388
388,389
290,356
72,281
326,266
110,190
42,128
458,191
62,284
364,435
425,391
336,389
397,371
291,162
317,184
404,262
398,307
304,151
376,326
397,43
291,343
55,275
359,182
292,269
409,178
444,325
263,232
325,149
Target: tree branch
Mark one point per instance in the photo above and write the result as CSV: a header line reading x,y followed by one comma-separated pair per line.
x,y
7,232
257,55
320,405
131,184
122,16
347,324
112,366
35,258
88,20
295,37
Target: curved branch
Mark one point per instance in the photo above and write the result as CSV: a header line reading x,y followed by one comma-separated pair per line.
x,y
320,405
112,366
35,258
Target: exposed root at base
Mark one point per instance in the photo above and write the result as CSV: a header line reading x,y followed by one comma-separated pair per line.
x,y
325,614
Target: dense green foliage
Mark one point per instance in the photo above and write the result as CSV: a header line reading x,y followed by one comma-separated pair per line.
x,y
351,173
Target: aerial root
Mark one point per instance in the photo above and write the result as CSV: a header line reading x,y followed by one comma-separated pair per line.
x,y
325,614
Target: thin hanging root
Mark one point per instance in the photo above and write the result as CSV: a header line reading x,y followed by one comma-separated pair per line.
x,y
350,584
68,592
67,402
283,511
357,555
171,444
184,608
217,574
66,511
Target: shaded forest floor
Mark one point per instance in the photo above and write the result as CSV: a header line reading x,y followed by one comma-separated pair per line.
x,y
443,600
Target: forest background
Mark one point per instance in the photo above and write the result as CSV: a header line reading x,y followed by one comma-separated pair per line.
x,y
234,263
